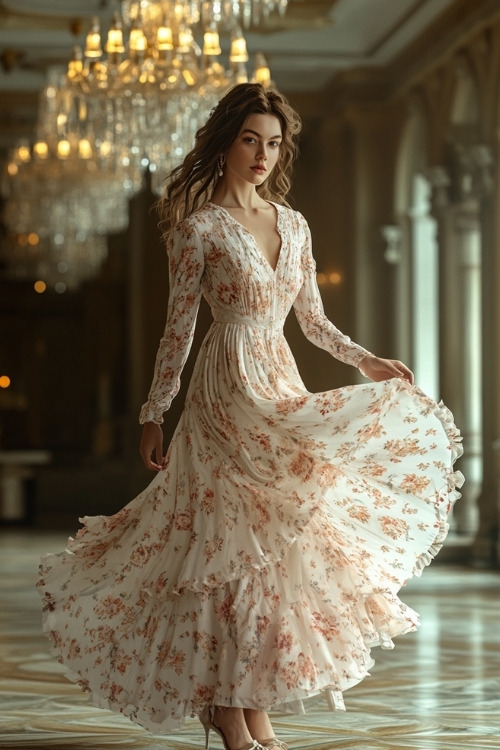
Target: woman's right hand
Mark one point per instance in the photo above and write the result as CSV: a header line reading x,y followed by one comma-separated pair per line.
x,y
151,448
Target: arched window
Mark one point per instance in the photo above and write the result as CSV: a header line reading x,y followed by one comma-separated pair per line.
x,y
417,302
439,278
463,263
424,288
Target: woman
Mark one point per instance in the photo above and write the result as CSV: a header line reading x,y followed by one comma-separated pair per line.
x,y
264,559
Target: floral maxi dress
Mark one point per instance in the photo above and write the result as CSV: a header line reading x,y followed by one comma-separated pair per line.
x,y
262,564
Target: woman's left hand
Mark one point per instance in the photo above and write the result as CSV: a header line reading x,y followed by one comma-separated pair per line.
x,y
377,368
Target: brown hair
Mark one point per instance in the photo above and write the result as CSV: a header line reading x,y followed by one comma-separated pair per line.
x,y
191,184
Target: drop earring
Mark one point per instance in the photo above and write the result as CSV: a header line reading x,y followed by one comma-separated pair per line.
x,y
221,160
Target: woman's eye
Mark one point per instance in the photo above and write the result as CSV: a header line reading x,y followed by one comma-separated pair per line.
x,y
274,143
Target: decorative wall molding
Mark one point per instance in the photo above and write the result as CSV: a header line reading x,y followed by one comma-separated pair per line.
x,y
440,181
392,234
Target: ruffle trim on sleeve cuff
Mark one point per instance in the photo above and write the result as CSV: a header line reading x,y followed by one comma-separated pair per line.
x,y
149,414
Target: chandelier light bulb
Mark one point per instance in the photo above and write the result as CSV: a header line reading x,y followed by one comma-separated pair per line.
x,y
75,65
189,77
179,11
63,148
93,48
186,39
164,39
238,52
240,73
23,153
211,43
137,40
105,149
41,150
114,43
262,73
85,150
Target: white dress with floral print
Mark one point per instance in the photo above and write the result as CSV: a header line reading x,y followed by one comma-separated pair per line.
x,y
259,567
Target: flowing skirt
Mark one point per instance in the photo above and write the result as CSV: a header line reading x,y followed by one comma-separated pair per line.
x,y
263,563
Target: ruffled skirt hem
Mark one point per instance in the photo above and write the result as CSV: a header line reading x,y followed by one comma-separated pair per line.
x,y
266,636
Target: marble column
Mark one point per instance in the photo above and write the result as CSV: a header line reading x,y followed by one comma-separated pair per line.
x,y
459,285
471,236
424,287
468,253
397,255
450,333
486,548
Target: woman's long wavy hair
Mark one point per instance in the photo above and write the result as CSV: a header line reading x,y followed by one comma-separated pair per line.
x,y
191,184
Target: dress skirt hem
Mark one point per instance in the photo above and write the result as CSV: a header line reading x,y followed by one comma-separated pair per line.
x,y
267,637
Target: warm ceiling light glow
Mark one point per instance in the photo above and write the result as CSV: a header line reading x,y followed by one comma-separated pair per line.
x,y
105,148
178,11
23,153
41,150
75,65
164,38
40,286
238,48
188,77
137,40
185,39
4,381
63,149
262,73
93,47
84,149
33,239
211,44
333,278
114,44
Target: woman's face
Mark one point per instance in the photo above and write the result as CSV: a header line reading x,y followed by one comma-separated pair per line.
x,y
255,150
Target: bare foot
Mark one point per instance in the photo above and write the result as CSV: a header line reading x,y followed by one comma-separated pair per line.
x,y
258,724
231,722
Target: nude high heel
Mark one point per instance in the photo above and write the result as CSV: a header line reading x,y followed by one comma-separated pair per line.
x,y
274,742
207,719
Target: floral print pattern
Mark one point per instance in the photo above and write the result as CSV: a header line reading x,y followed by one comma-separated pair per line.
x,y
262,564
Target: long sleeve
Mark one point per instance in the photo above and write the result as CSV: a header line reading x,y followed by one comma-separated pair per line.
x,y
186,264
310,314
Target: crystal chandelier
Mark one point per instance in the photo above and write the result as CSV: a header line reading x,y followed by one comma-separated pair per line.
x,y
149,87
63,195
126,105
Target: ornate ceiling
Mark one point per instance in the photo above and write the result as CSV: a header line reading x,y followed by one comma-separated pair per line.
x,y
316,40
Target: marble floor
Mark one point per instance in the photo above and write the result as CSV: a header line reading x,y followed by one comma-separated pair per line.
x,y
440,687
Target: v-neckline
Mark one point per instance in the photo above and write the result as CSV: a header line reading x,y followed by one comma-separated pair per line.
x,y
247,231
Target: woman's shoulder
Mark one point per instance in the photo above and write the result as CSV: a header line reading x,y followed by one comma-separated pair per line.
x,y
292,216
288,210
198,222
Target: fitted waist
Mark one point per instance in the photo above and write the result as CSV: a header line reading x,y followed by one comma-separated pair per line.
x,y
227,316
